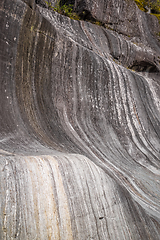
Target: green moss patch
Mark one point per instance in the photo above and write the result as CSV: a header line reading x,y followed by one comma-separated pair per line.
x,y
148,5
66,9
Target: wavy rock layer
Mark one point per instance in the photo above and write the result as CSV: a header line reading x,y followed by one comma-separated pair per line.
x,y
79,129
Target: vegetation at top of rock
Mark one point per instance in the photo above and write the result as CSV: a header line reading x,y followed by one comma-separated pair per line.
x,y
65,9
157,15
151,6
68,10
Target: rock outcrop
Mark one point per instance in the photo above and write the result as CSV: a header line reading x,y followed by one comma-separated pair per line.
x,y
79,122
124,17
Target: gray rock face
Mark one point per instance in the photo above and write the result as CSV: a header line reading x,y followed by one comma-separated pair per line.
x,y
123,17
79,123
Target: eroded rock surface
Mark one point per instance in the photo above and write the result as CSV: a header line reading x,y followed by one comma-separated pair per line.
x,y
79,123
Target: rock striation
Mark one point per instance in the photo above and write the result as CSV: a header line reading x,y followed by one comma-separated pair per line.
x,y
124,17
79,122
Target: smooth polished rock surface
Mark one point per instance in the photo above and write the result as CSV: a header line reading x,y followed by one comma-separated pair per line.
x,y
79,127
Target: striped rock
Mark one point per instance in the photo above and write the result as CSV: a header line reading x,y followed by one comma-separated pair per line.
x,y
79,128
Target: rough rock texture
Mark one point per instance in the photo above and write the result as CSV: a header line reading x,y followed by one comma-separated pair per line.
x,y
79,126
123,17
